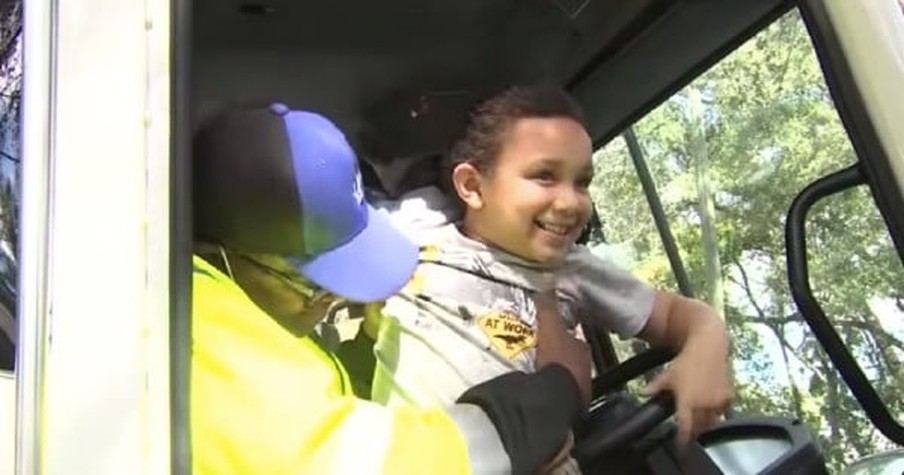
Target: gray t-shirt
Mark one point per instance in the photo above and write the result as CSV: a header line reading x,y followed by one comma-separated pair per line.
x,y
467,315
592,290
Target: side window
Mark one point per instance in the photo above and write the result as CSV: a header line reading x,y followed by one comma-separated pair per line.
x,y
10,107
727,155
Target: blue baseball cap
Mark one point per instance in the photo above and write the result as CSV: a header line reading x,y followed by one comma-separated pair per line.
x,y
286,182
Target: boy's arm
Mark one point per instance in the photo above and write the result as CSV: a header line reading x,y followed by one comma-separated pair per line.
x,y
699,376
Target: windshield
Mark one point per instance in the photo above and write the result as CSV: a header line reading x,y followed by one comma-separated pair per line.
x,y
726,156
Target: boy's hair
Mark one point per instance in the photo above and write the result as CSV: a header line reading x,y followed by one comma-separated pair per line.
x,y
492,119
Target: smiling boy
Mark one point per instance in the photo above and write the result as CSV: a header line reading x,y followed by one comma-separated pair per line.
x,y
521,172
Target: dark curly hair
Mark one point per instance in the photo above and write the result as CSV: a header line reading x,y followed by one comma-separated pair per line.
x,y
492,119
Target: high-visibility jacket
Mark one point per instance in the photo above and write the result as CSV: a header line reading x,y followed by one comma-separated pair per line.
x,y
264,401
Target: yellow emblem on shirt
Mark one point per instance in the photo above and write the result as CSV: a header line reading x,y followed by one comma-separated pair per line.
x,y
415,284
429,253
507,333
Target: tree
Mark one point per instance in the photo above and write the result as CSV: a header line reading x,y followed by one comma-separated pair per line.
x,y
729,153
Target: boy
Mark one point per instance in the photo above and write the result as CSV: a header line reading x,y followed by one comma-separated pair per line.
x,y
521,172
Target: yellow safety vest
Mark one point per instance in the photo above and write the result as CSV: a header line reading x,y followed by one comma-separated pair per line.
x,y
264,401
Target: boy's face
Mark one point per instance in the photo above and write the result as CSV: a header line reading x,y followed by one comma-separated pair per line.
x,y
534,202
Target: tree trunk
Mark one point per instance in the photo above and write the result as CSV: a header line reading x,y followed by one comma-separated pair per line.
x,y
698,152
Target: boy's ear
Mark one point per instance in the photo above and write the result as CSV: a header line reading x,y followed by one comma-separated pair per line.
x,y
466,180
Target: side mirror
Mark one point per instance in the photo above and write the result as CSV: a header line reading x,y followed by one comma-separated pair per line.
x,y
887,463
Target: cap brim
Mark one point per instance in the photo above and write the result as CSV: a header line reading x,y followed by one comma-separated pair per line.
x,y
375,264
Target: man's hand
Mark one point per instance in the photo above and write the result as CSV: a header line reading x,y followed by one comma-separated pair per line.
x,y
699,377
556,345
561,457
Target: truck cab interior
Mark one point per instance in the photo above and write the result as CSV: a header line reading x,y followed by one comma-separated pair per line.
x,y
746,153
399,78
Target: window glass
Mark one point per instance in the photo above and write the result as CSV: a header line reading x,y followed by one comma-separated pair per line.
x,y
728,154
10,107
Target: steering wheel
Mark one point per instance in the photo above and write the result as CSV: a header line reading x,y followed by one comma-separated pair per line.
x,y
603,439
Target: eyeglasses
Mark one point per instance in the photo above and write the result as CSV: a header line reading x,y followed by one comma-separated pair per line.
x,y
311,292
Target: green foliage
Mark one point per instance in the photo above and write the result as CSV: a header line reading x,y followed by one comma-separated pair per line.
x,y
769,128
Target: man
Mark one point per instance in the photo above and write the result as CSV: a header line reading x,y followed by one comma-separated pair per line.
x,y
279,207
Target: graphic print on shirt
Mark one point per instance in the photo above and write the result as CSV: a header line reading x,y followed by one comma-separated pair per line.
x,y
507,333
487,300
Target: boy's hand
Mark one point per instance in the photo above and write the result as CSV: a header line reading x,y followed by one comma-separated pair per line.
x,y
556,345
699,377
700,382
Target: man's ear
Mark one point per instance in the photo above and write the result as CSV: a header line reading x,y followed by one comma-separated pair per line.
x,y
467,181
